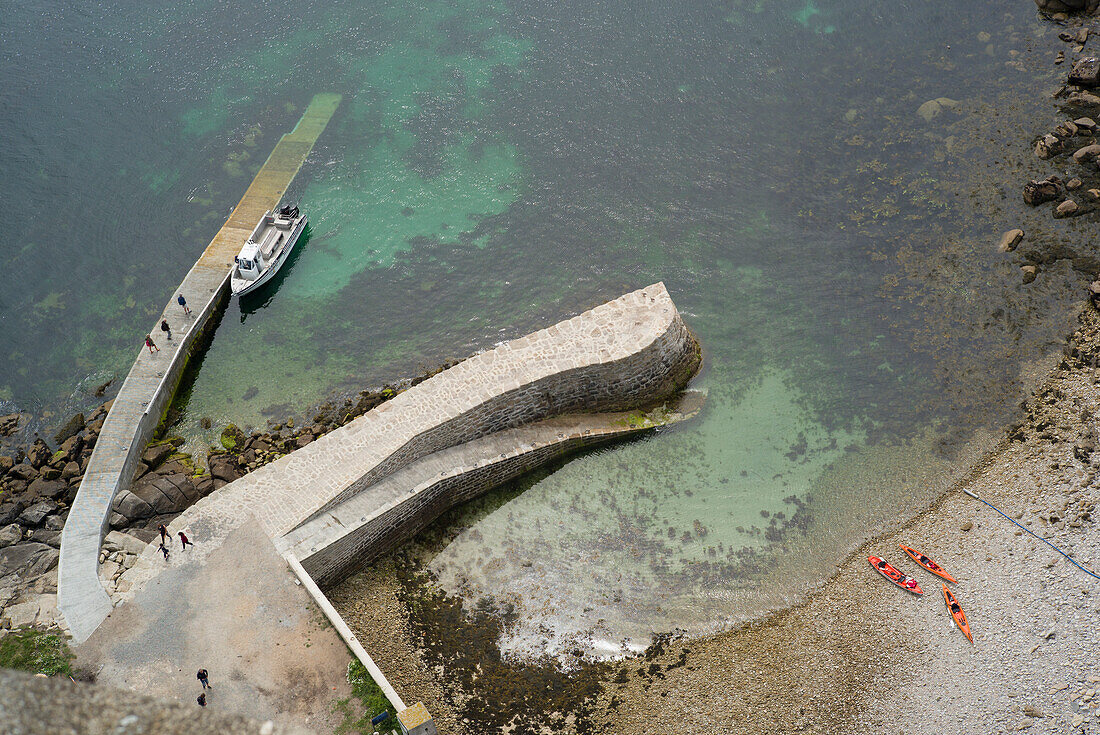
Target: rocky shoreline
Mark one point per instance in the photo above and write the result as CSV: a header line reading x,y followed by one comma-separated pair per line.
x,y
39,481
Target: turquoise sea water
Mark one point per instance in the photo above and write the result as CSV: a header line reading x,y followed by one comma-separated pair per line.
x,y
497,166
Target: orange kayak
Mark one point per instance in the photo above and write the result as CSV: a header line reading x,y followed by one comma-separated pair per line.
x,y
907,583
927,563
956,612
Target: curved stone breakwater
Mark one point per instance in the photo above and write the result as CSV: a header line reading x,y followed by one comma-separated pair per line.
x,y
632,352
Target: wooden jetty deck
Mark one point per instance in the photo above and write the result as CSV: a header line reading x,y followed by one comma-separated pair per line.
x,y
151,382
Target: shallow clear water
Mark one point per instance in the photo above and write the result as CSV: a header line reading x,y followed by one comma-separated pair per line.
x,y
497,166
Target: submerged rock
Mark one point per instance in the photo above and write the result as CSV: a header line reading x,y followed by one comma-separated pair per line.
x,y
1040,192
1030,273
1068,208
1010,240
1087,154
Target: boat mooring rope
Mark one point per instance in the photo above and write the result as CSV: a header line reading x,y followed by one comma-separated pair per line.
x,y
1071,561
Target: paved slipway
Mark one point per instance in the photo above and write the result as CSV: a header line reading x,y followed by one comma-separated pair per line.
x,y
239,614
864,657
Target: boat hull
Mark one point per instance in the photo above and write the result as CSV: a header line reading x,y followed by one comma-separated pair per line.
x,y
894,575
924,561
959,615
242,287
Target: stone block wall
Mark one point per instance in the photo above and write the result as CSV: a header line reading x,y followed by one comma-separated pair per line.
x,y
402,521
608,383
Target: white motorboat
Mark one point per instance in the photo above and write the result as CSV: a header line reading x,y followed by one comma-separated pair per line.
x,y
268,247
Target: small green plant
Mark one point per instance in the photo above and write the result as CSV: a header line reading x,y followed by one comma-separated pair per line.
x,y
371,701
37,652
229,437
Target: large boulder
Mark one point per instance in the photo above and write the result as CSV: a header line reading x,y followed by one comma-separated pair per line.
x,y
1067,6
118,541
1086,72
10,534
1039,192
29,559
23,615
154,495
9,423
10,511
222,467
71,428
34,515
23,471
72,446
39,454
154,455
48,537
43,488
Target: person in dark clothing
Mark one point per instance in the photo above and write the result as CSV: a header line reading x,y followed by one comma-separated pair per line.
x,y
202,699
184,540
164,550
166,329
163,533
204,677
183,302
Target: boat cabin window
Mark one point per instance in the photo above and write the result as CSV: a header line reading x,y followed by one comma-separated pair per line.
x,y
245,264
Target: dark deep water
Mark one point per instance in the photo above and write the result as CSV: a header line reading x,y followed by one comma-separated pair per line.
x,y
498,166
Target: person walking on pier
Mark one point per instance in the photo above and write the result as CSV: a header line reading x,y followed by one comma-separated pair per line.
x,y
183,302
163,533
164,550
151,344
166,329
185,541
202,699
204,677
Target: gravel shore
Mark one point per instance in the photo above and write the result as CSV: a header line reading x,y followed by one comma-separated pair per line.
x,y
862,656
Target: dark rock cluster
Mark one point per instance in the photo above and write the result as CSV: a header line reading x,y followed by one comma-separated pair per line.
x,y
37,485
39,481
1056,7
1074,145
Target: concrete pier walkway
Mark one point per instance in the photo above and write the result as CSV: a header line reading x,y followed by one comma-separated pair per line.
x,y
151,382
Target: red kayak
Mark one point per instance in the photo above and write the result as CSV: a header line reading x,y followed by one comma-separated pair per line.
x,y
956,612
907,583
927,563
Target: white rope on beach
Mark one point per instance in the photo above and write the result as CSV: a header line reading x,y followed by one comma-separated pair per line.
x,y
1071,561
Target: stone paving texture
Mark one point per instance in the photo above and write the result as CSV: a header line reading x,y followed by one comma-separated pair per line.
x,y
148,388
